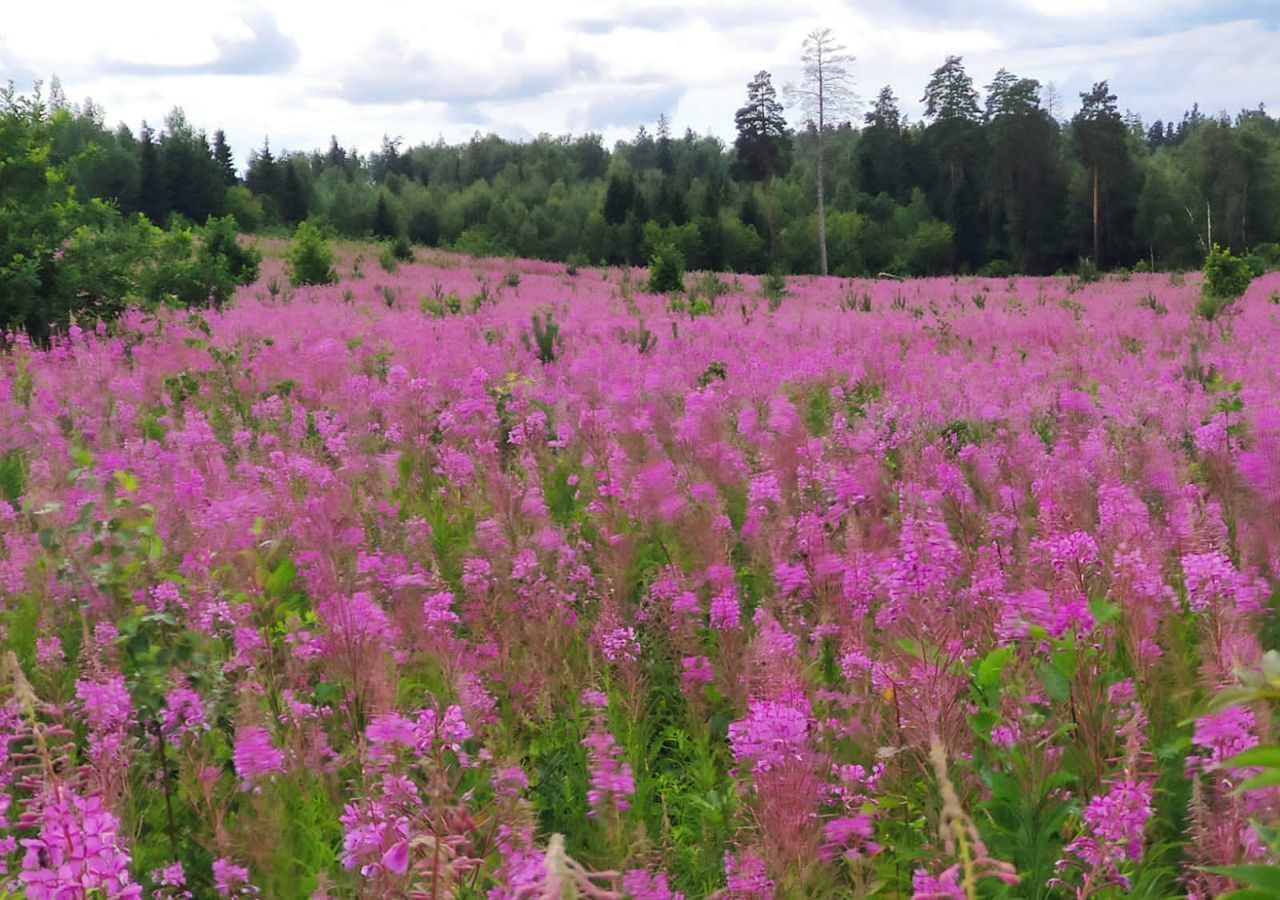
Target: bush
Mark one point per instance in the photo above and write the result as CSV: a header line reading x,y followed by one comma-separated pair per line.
x,y
218,241
309,259
1268,256
1226,278
666,270
387,259
179,272
245,208
998,268
544,337
402,248
774,287
1088,272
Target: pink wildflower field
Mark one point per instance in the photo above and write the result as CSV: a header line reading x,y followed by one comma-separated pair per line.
x,y
489,579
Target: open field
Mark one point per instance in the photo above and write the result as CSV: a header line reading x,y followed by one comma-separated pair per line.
x,y
479,578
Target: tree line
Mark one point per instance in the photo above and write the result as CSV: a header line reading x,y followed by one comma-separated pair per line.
x,y
992,179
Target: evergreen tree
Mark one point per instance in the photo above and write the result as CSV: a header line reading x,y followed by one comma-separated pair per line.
x,y
762,143
953,140
384,224
293,193
194,181
264,178
1025,191
882,148
620,193
222,156
950,94
666,162
1100,136
153,201
335,157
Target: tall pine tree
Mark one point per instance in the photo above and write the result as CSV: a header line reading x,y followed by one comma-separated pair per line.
x,y
762,144
222,156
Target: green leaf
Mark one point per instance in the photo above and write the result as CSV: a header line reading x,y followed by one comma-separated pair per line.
x,y
1261,755
1104,611
281,578
983,722
1066,661
1249,894
1258,876
1055,682
48,539
992,667
1269,778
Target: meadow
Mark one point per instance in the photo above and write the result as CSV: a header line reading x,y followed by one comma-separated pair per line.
x,y
497,579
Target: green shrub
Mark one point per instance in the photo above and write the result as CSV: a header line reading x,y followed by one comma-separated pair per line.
x,y
773,286
245,208
402,248
1088,272
218,241
309,259
1268,255
545,337
1150,301
387,259
178,271
666,270
998,268
1226,278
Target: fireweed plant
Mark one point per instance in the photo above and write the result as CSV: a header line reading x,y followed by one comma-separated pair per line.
x,y
925,594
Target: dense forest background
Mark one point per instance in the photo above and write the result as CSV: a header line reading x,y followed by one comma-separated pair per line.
x,y
995,181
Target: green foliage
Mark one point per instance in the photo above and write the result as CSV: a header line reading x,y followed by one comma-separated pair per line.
x,y
402,248
1266,257
902,200
705,293
13,475
180,270
309,259
715,371
773,286
1087,271
59,257
219,242
642,338
1226,278
666,270
387,259
545,337
558,782
1150,301
245,208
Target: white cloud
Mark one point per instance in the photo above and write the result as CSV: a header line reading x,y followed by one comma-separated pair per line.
x,y
426,70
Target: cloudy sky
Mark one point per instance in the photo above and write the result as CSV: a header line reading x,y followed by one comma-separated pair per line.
x,y
422,70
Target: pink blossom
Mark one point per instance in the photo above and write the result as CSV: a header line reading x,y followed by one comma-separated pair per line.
x,y
254,756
